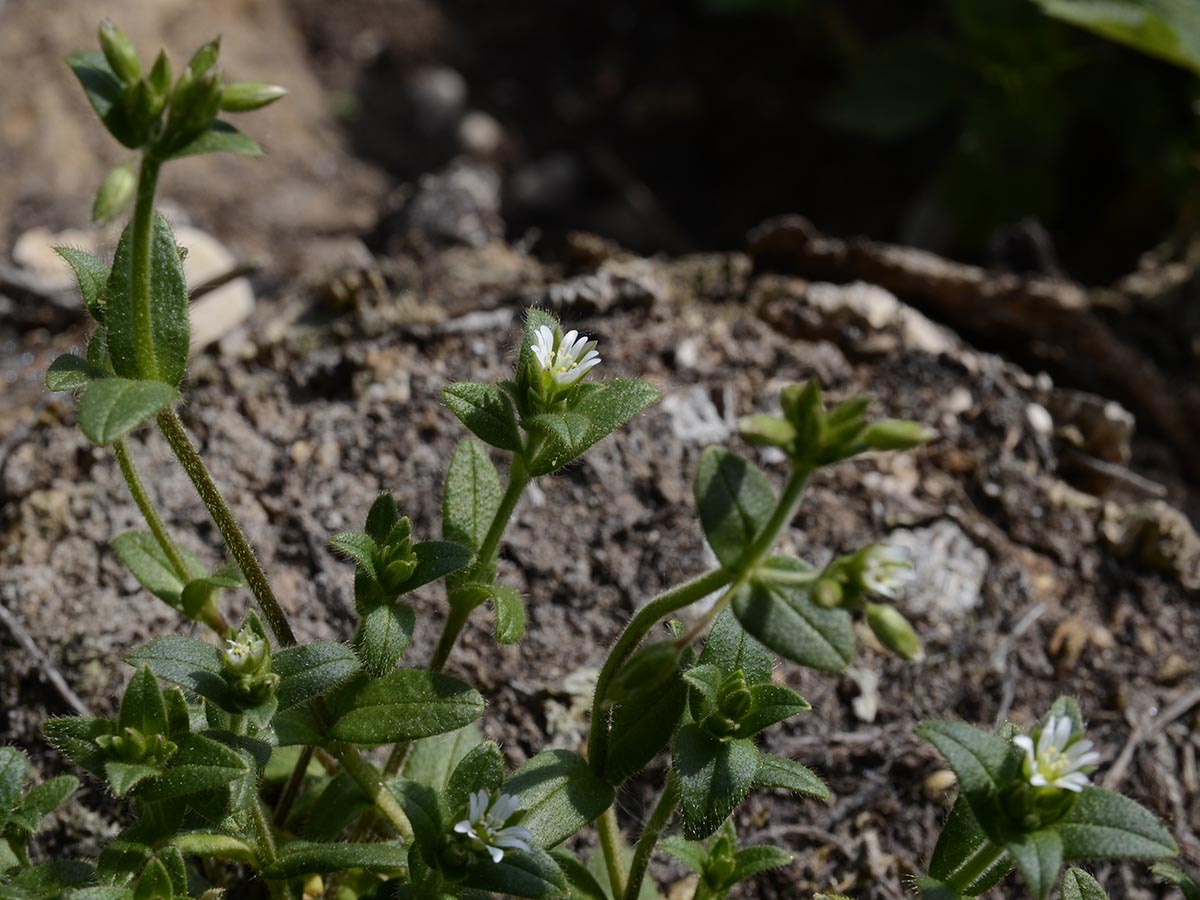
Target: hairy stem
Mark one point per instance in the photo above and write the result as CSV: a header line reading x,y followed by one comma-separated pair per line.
x,y
231,531
291,790
142,233
370,781
663,811
484,565
267,851
639,626
613,849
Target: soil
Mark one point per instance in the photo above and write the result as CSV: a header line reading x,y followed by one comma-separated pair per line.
x,y
1052,558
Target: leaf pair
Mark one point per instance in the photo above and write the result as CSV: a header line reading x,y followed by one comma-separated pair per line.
x,y
22,811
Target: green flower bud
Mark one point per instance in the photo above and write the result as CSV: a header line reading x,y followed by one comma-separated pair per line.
x,y
206,57
118,50
894,631
766,431
246,653
244,96
645,672
116,190
720,865
159,78
195,100
828,593
733,698
896,434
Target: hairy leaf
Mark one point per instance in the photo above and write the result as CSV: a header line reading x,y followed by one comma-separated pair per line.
x,y
780,772
714,777
785,619
384,633
1079,885
218,137
1105,825
734,499
91,274
404,705
113,407
524,873
560,795
298,858
309,670
70,373
486,411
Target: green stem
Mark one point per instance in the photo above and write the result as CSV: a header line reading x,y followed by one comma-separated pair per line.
x,y
267,851
484,565
613,849
291,790
141,239
663,811
212,617
639,626
369,780
235,540
683,595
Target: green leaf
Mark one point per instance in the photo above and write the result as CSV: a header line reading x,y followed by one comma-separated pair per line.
x,y
48,882
431,761
402,706
510,614
1105,825
97,893
219,137
582,883
123,777
592,416
642,728
436,559
298,858
70,373
113,407
143,706
1039,857
1176,876
770,703
75,737
481,769
199,764
779,772
960,849
166,357
188,662
97,352
692,854
382,517
337,807
92,275
384,633
928,888
200,593
730,648
784,619
486,411
524,873
735,500
749,861
42,800
714,777
309,670
12,777
144,557
560,795
154,882
103,89
1167,29
359,547
208,845
982,762
1079,885
471,495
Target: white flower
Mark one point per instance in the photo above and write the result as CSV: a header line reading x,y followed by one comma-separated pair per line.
x,y
1056,761
484,825
885,571
574,357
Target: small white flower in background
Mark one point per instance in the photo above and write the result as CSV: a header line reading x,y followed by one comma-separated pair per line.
x,y
484,825
574,357
1055,760
885,571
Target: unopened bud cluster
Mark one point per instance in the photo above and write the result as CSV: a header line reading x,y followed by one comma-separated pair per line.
x,y
246,658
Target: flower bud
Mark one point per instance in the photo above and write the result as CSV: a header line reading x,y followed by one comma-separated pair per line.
x,y
206,57
116,190
246,653
894,631
118,50
896,434
827,593
244,96
195,100
159,78
766,431
733,698
647,670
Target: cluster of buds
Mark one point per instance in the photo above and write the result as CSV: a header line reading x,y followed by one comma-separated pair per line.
x,y
246,658
813,436
395,561
145,111
132,746
732,704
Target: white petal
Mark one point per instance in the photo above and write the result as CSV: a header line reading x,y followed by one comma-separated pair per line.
x,y
1025,742
1076,781
1038,780
504,807
1062,733
477,806
495,853
464,827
